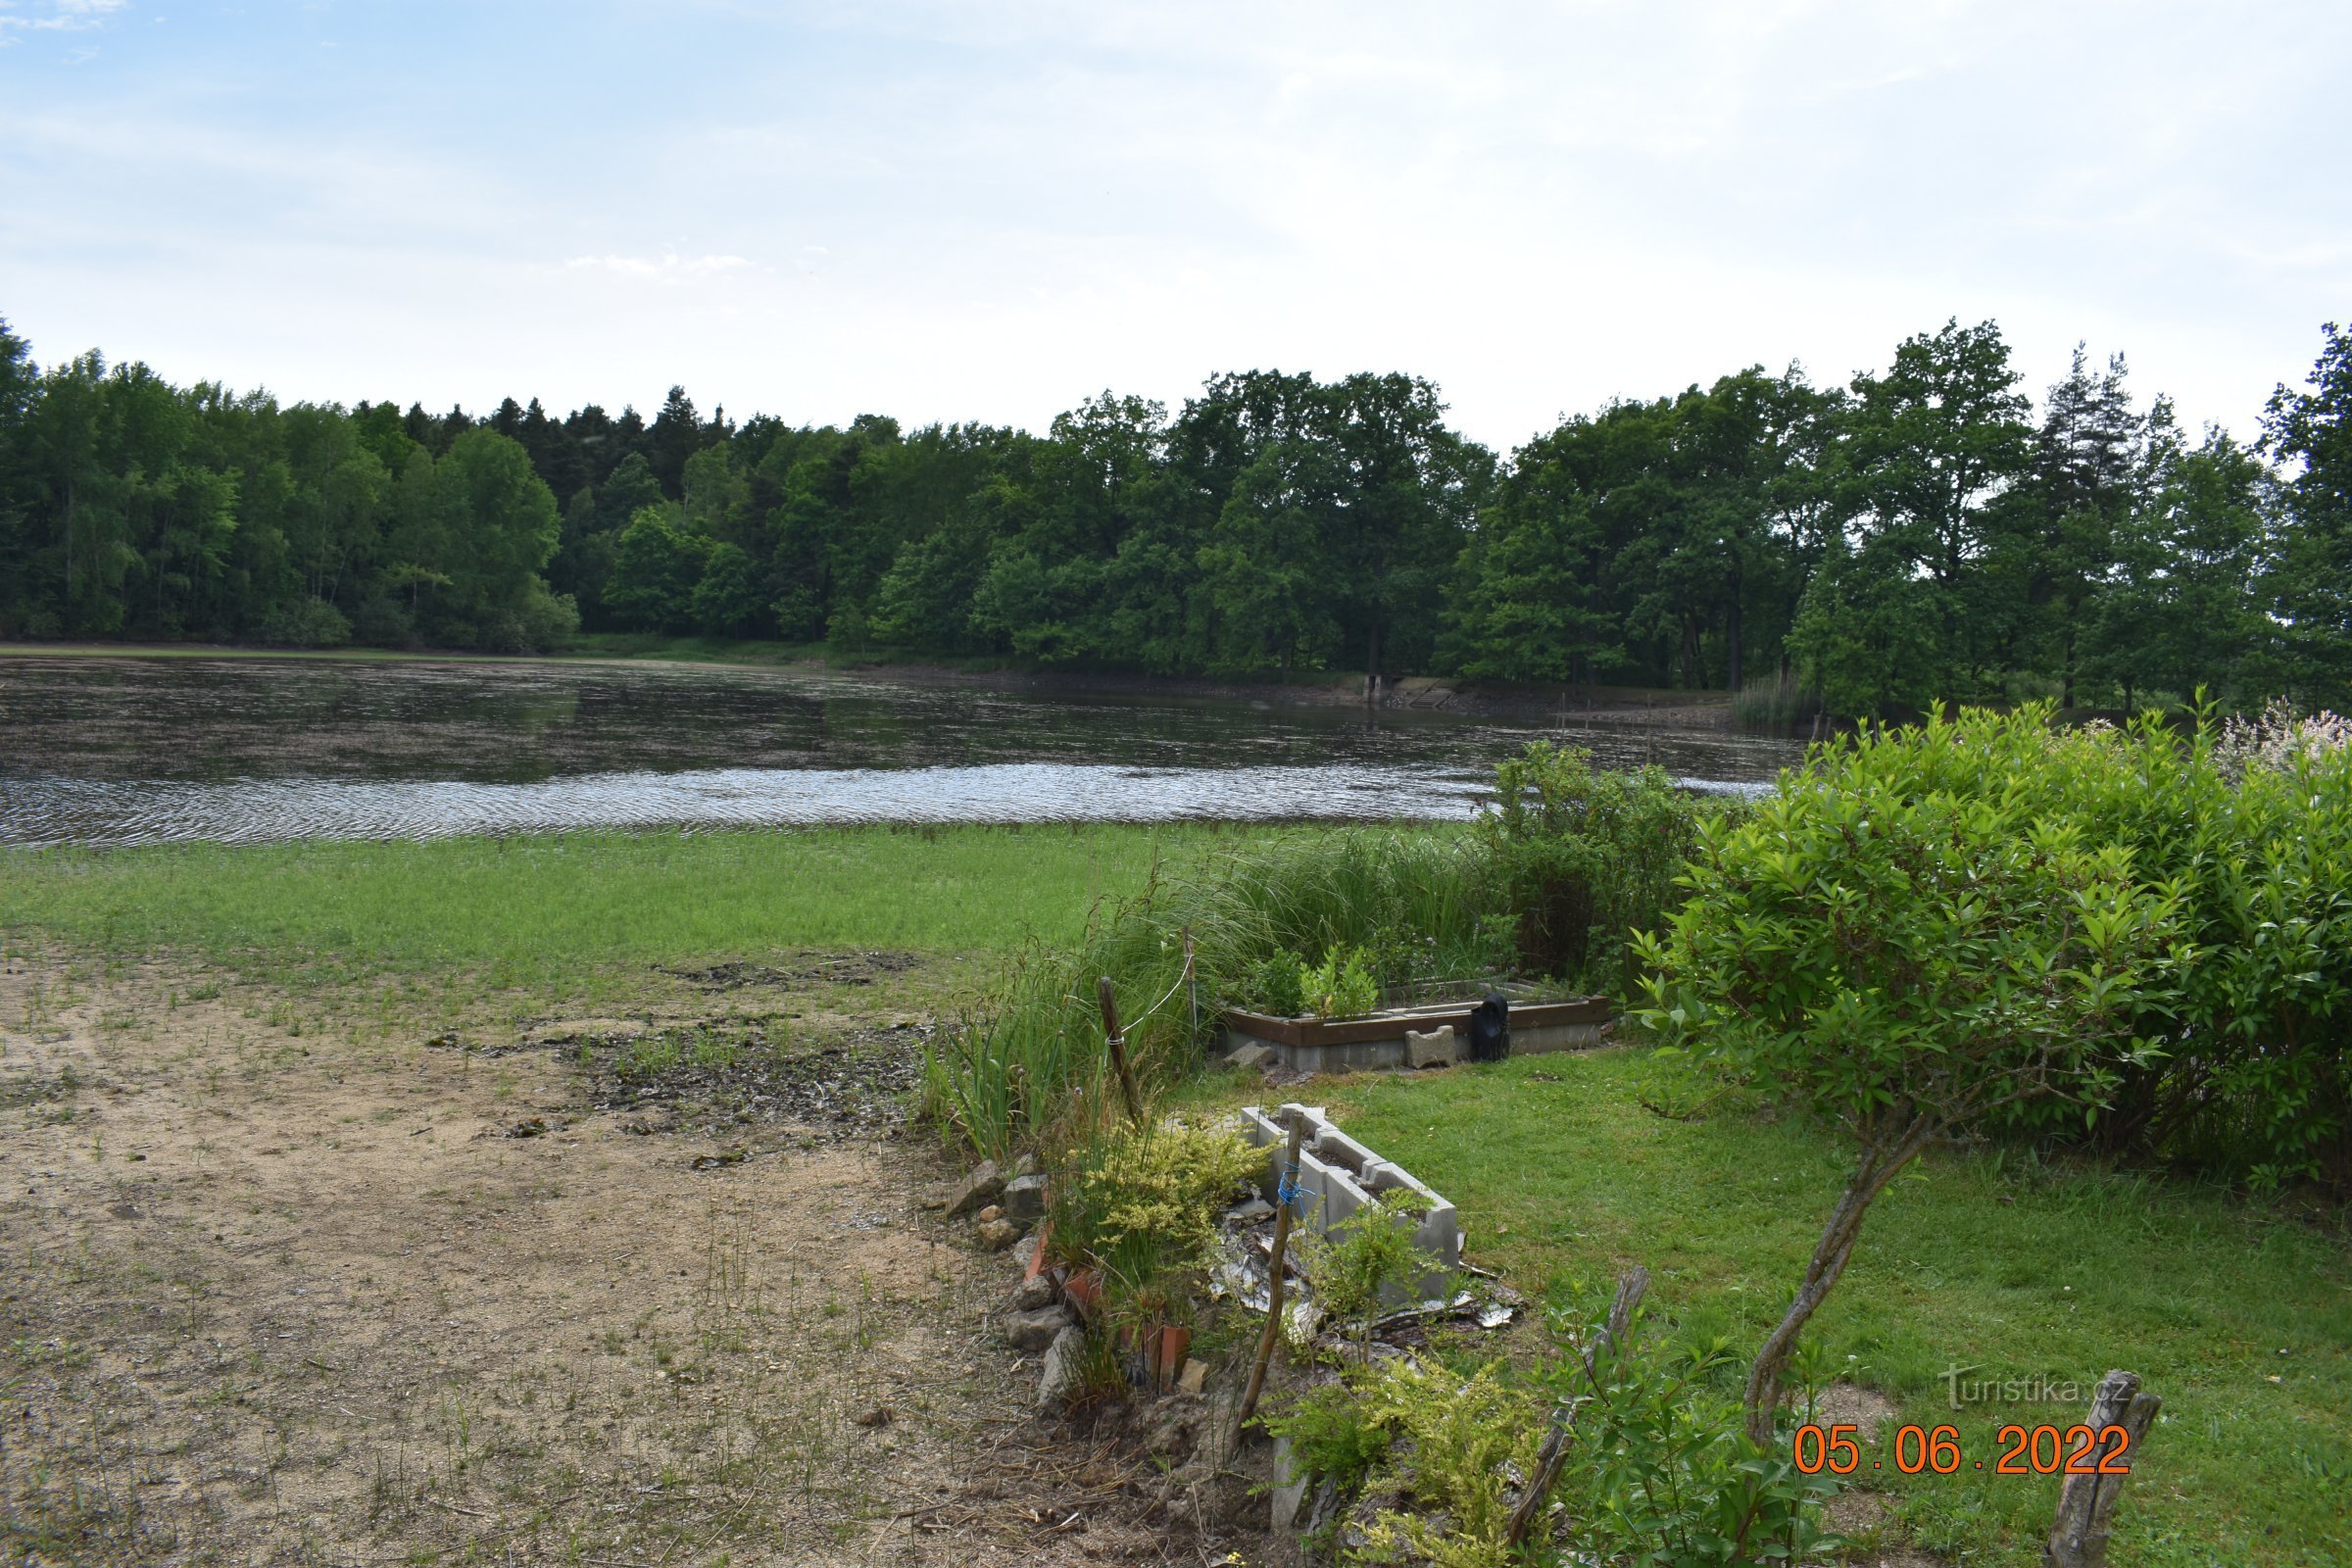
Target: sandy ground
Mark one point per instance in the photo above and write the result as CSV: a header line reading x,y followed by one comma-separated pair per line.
x,y
281,1288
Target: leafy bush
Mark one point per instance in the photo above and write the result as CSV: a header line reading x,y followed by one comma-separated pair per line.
x,y
1275,987
2244,1065
1333,1431
1907,956
1655,1471
1358,1257
1342,986
1659,1473
1469,1436
1165,1186
1587,858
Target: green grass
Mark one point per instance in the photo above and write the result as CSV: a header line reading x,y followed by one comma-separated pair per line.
x,y
1986,1259
546,912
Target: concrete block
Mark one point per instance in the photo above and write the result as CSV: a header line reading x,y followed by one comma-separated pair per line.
x,y
1338,1176
1434,1048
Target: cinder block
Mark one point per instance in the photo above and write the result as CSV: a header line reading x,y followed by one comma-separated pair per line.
x,y
1331,1193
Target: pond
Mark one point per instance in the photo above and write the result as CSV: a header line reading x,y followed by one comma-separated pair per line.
x,y
119,751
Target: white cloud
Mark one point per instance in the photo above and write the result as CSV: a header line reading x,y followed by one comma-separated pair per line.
x,y
58,15
670,267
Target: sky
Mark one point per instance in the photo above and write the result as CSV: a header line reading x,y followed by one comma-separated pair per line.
x,y
989,212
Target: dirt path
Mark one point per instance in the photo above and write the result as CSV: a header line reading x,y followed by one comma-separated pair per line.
x,y
278,1292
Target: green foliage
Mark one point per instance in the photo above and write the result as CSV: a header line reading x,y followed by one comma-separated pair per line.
x,y
657,566
1657,1473
1275,986
1660,1474
1881,940
1156,1194
1342,986
1359,1256
2311,584
1334,1431
1467,1435
1031,1052
1589,858
1913,537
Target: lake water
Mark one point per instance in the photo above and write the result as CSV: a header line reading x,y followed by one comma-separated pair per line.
x,y
120,750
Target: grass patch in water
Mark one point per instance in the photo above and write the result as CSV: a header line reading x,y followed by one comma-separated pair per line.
x,y
539,911
1997,1262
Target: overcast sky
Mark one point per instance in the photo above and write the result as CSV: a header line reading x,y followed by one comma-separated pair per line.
x,y
990,210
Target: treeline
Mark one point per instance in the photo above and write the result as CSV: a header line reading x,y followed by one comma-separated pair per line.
x,y
1924,532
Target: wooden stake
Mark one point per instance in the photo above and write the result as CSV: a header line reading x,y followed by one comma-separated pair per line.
x,y
1552,1457
1118,1051
1286,1194
2079,1533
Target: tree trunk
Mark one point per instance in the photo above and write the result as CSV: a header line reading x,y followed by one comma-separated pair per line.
x,y
1883,1158
1731,631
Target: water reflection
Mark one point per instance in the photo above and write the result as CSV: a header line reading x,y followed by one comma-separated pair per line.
x,y
122,751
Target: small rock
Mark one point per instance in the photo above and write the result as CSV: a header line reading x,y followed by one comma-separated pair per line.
x,y
1059,1380
1194,1376
1026,1165
1250,1211
1025,1256
979,1187
878,1416
998,1234
1033,1293
1251,1056
1025,1198
992,1211
1035,1329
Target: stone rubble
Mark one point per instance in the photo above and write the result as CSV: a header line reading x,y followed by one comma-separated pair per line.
x,y
979,1189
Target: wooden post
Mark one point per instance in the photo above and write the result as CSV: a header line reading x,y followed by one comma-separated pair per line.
x,y
1552,1457
2079,1533
1118,1051
1192,988
1286,1192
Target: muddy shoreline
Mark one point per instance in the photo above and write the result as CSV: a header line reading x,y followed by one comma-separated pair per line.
x,y
1544,704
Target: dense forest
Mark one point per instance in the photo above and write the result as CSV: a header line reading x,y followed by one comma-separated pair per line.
x,y
1922,532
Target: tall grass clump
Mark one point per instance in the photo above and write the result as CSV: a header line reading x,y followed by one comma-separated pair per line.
x,y
1776,704
1029,1060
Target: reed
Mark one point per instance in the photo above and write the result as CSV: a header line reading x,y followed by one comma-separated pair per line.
x,y
1777,704
1028,1060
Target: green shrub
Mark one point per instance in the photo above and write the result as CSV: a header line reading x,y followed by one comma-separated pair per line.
x,y
1342,986
1333,1431
2248,1070
1587,858
1659,1472
1358,1257
1469,1436
1274,987
1909,960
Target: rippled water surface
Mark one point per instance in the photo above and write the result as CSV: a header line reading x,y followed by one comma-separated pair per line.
x,y
130,750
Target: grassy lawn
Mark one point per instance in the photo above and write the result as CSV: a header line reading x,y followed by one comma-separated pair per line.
x,y
2237,1314
552,911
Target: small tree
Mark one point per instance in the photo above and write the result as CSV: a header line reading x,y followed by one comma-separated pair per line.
x,y
1906,960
